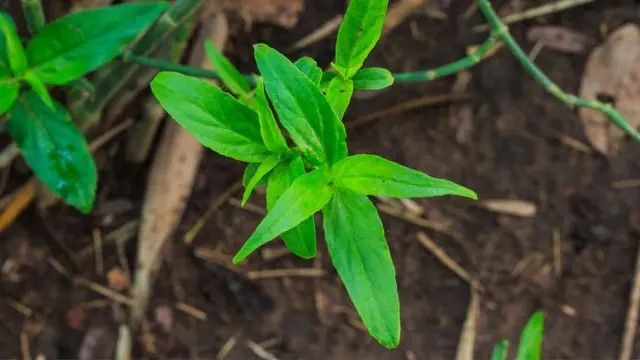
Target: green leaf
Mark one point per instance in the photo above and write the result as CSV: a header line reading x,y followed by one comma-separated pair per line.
x,y
70,47
230,76
306,196
8,94
374,175
360,254
15,51
301,240
339,95
5,68
260,172
372,78
310,68
271,134
215,118
358,34
500,351
55,149
531,339
249,172
327,76
302,108
39,88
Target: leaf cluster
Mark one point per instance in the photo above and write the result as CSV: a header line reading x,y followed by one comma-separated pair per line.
x,y
61,52
309,170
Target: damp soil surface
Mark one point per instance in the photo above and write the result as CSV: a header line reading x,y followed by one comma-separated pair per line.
x,y
505,137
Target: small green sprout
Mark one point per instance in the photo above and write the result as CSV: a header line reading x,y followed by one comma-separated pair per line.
x,y
313,173
530,346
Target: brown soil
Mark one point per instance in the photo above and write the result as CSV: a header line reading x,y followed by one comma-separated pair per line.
x,y
505,142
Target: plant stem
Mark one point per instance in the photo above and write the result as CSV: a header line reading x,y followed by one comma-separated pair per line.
x,y
501,31
470,60
33,15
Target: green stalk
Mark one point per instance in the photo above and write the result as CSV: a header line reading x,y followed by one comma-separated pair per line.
x,y
113,78
33,15
500,30
470,60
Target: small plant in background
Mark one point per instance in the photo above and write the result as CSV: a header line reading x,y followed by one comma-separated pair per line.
x,y
59,54
530,345
315,173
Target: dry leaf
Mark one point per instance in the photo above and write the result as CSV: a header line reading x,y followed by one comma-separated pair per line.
x,y
510,207
285,13
613,71
559,38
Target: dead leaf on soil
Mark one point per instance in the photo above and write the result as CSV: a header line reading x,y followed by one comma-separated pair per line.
x,y
510,207
613,72
559,38
285,13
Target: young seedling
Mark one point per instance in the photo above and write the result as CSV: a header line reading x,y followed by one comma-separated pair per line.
x,y
59,53
313,172
530,345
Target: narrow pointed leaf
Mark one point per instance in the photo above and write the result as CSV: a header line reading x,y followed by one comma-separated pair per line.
x,y
500,351
358,34
260,172
307,195
374,175
271,134
310,68
8,94
39,88
339,95
230,76
55,149
360,254
215,118
301,240
372,78
530,345
302,108
69,47
15,51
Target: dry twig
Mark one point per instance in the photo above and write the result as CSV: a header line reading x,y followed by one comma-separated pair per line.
x,y
631,324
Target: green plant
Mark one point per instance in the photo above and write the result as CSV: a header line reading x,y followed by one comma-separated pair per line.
x,y
58,54
315,173
530,345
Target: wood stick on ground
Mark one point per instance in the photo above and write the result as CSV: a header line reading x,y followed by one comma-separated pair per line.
x,y
226,348
400,11
422,101
557,252
445,259
97,248
192,311
259,351
546,9
25,349
415,220
466,344
631,324
625,184
322,32
215,205
280,273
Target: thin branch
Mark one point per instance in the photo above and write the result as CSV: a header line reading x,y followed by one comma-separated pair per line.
x,y
501,31
468,61
538,11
